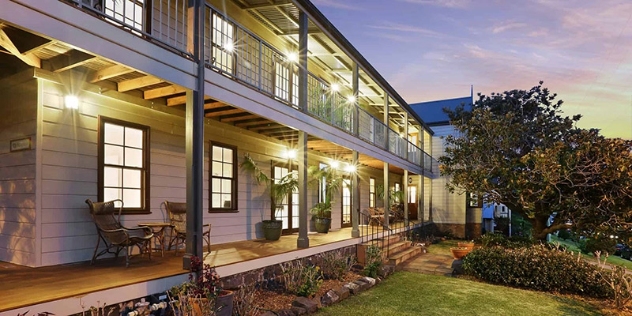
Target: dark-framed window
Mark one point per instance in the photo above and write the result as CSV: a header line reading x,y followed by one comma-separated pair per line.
x,y
371,192
123,154
223,178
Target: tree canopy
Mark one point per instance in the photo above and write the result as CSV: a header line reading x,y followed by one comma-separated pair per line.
x,y
516,148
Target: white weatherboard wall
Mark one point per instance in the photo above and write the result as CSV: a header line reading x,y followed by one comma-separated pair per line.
x,y
18,119
69,172
447,208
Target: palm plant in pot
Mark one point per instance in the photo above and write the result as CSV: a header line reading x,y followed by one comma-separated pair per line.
x,y
332,181
278,189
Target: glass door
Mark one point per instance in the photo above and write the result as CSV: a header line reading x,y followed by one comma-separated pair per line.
x,y
288,210
346,203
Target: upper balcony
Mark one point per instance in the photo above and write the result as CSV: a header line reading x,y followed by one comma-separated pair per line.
x,y
255,42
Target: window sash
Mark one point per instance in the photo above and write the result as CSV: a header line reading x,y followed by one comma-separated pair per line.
x,y
223,178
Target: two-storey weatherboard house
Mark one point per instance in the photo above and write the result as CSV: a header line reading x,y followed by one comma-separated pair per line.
x,y
97,99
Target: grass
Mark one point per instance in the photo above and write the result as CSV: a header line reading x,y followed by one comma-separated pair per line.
x,y
443,247
407,293
612,259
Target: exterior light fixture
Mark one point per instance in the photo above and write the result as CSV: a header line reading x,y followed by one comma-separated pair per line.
x,y
335,87
71,102
350,168
293,57
228,46
291,154
351,99
335,164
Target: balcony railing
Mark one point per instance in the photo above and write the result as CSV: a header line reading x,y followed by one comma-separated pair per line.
x,y
236,52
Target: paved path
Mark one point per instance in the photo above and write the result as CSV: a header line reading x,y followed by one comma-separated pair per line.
x,y
430,263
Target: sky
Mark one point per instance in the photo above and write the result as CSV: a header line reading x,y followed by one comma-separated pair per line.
x,y
436,49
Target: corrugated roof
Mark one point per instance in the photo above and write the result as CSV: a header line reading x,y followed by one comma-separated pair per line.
x,y
432,113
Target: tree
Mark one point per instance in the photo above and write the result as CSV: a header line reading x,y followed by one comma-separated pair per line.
x,y
517,149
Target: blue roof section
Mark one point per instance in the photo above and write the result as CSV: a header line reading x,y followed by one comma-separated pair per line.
x,y
431,112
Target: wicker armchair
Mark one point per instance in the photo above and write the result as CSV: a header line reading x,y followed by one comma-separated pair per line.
x,y
115,236
178,218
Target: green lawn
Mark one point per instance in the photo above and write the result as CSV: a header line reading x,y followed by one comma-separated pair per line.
x,y
443,247
407,293
612,259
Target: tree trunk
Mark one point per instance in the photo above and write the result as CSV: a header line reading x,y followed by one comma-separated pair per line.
x,y
540,229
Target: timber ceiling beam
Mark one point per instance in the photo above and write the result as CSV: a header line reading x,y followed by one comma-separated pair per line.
x,y
67,61
29,58
224,112
138,83
163,92
179,100
271,4
109,72
254,123
238,118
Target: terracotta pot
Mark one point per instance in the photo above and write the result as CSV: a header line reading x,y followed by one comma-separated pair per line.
x,y
469,245
459,252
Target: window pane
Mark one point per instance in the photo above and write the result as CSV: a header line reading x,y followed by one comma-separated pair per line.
x,y
216,200
131,178
216,185
133,157
133,137
228,155
228,170
112,177
113,134
113,155
131,198
217,169
226,186
111,194
217,153
226,202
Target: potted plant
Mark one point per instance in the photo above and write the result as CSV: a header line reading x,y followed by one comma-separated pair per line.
x,y
321,211
278,190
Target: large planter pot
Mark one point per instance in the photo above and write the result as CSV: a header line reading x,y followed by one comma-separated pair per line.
x,y
459,252
223,304
469,245
272,229
322,224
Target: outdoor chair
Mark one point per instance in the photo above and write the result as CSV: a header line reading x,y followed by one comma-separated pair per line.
x,y
178,218
107,219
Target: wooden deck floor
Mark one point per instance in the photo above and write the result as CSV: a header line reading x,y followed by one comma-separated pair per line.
x,y
24,286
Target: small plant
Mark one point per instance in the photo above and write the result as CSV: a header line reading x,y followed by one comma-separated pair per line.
x,y
198,295
335,264
373,261
302,280
244,304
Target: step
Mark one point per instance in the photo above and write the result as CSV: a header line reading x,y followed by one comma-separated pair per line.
x,y
398,258
399,246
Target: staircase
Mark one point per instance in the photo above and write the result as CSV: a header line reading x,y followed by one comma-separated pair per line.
x,y
395,251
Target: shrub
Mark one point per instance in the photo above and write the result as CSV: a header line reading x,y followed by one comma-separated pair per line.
x,y
373,261
493,240
302,280
564,234
537,268
335,264
590,245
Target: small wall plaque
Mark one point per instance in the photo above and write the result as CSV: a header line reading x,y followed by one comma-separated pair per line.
x,y
20,144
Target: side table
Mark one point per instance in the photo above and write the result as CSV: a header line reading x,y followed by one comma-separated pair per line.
x,y
158,228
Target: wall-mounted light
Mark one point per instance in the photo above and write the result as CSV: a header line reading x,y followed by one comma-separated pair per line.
x,y
335,164
71,102
335,87
291,154
228,46
292,57
351,99
350,168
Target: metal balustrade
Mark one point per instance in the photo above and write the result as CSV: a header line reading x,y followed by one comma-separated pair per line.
x,y
236,52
